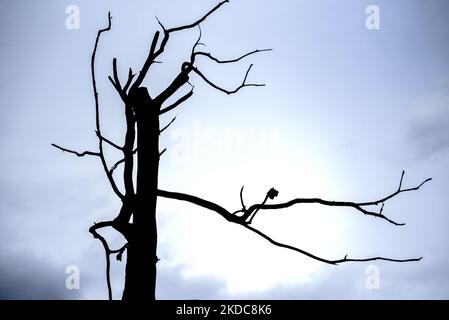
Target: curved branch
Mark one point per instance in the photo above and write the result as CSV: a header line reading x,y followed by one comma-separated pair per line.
x,y
334,262
398,191
93,230
209,55
238,220
199,202
244,84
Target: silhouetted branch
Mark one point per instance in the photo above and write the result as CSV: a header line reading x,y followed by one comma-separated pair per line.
x,y
271,194
116,81
398,191
111,170
168,125
200,202
153,53
109,142
115,73
345,259
241,199
93,230
79,154
130,79
162,152
177,103
209,55
97,111
356,205
244,84
148,62
248,215
194,24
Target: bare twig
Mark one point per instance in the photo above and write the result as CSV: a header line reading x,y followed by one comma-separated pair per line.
x,y
97,111
244,84
168,125
154,54
211,57
335,262
177,103
119,162
130,79
241,199
360,206
79,154
109,141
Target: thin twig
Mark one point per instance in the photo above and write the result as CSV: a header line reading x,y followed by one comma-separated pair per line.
x,y
168,125
213,85
79,154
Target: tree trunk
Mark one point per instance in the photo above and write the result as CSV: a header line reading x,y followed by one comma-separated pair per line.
x,y
140,282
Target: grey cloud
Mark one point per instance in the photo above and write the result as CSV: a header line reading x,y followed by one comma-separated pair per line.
x,y
25,276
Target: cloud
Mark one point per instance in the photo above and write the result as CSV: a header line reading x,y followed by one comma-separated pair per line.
x,y
429,123
421,280
24,276
173,283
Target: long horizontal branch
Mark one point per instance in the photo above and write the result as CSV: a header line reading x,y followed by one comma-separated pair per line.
x,y
356,205
211,57
236,219
345,259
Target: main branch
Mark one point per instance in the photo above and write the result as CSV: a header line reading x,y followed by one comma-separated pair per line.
x,y
248,214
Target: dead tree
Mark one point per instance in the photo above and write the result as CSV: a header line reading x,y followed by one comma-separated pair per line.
x,y
141,148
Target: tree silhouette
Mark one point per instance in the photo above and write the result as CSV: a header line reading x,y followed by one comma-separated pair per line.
x,y
141,148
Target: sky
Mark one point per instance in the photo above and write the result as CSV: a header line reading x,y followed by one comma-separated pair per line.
x,y
345,109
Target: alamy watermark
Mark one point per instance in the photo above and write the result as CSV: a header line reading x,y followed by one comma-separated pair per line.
x,y
372,21
372,281
72,20
72,281
200,143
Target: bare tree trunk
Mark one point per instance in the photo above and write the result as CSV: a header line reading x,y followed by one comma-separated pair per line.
x,y
140,283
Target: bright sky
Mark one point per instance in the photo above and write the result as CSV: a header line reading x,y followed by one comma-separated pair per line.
x,y
345,110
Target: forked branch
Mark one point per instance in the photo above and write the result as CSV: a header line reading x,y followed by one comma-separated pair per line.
x,y
359,206
154,54
248,214
94,231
